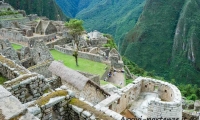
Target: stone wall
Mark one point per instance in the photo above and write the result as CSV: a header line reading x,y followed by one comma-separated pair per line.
x,y
27,87
85,55
188,116
170,104
27,62
7,50
50,28
5,6
9,69
41,69
66,107
11,108
11,16
89,93
54,82
19,36
6,23
123,99
40,52
94,78
33,17
60,41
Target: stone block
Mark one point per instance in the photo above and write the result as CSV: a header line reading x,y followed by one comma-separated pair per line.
x,y
86,114
11,106
77,109
197,105
4,92
34,110
61,109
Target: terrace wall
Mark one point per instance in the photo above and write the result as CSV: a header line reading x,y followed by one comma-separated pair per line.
x,y
85,55
27,87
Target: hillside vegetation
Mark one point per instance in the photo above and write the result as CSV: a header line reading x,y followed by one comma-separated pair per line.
x,y
108,16
166,39
47,8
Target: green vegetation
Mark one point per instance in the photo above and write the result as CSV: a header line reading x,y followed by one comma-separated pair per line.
x,y
135,69
2,13
110,42
114,17
85,106
16,46
45,99
155,45
2,79
191,92
129,81
46,8
102,82
84,64
76,30
188,91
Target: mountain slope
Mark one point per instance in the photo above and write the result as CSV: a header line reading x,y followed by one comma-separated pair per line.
x,y
165,39
109,16
47,8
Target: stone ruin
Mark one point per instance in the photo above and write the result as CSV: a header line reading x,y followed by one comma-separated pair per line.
x,y
7,50
115,58
45,28
166,104
96,38
27,29
27,86
38,87
77,97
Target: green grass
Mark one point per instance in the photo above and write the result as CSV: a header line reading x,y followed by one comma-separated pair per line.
x,y
129,81
102,82
84,64
2,80
16,46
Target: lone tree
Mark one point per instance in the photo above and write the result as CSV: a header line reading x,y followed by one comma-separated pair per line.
x,y
76,30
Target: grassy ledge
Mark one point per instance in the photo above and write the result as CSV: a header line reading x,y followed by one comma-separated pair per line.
x,y
16,46
45,99
84,64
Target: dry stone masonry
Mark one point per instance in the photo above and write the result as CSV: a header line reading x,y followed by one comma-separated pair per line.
x,y
169,104
39,88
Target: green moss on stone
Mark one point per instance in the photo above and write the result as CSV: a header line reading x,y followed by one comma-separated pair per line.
x,y
85,106
45,99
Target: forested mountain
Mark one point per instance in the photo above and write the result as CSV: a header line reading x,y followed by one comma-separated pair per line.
x,y
115,17
166,39
47,8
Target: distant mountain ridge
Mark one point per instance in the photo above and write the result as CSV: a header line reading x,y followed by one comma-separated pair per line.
x,y
108,16
166,39
47,8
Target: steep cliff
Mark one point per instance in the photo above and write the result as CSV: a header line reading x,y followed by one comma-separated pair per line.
x,y
166,39
47,8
